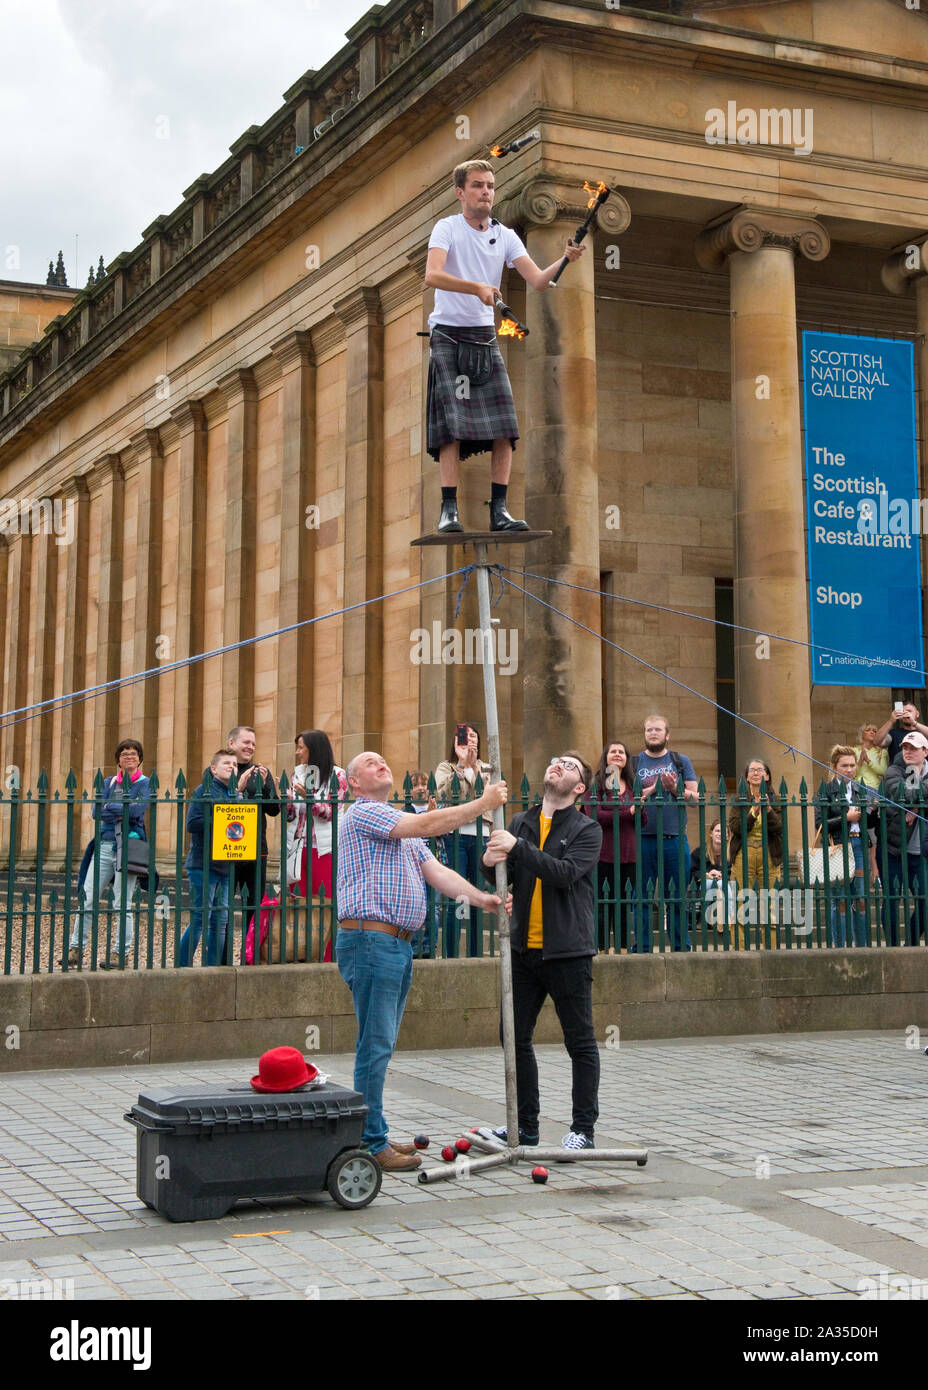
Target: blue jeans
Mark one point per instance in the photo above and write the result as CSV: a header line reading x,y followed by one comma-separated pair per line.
x,y
676,904
839,934
465,863
83,922
217,905
377,968
893,891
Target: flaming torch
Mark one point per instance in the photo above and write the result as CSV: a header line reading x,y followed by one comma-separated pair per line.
x,y
509,326
598,196
500,151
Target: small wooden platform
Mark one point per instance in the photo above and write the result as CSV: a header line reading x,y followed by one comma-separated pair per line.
x,y
481,537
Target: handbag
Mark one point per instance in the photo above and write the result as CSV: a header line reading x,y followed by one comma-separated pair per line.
x,y
135,850
838,868
305,938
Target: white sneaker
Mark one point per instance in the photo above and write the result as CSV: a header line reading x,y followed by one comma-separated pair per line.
x,y
572,1140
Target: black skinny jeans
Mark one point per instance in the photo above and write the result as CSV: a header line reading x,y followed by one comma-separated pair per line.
x,y
569,982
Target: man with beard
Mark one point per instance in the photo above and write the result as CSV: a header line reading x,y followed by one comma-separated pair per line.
x,y
551,852
665,854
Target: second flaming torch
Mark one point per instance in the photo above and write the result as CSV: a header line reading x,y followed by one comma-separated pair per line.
x,y
599,194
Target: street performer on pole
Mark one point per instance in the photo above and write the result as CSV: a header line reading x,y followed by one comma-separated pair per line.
x,y
470,406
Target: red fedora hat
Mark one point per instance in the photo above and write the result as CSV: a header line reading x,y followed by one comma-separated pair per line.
x,y
283,1069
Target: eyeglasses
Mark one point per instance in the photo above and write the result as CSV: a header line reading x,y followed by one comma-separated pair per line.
x,y
568,764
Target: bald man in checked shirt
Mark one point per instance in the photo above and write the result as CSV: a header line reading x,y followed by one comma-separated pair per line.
x,y
384,865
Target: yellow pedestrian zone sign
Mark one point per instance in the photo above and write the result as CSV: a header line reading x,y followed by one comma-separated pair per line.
x,y
235,831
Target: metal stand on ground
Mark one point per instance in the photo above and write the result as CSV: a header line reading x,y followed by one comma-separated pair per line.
x,y
494,1150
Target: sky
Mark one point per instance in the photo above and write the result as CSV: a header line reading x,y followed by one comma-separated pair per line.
x,y
111,108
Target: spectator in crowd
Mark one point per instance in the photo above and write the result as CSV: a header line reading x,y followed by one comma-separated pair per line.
x,y
843,803
384,865
901,722
707,886
420,801
255,783
615,873
747,859
311,824
906,830
550,852
211,896
463,761
668,781
872,757
129,782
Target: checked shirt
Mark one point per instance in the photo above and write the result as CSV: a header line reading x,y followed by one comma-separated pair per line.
x,y
379,879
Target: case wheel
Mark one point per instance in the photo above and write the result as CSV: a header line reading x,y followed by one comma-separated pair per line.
x,y
354,1179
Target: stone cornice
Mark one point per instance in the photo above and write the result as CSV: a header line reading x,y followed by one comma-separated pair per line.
x,y
748,229
904,264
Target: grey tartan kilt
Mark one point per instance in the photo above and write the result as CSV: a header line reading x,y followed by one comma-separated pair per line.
x,y
486,413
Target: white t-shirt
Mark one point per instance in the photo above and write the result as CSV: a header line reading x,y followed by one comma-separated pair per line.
x,y
471,257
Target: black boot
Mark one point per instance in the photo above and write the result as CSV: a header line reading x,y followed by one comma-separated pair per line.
x,y
449,519
500,520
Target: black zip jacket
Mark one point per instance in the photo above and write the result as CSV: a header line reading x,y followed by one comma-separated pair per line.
x,y
565,867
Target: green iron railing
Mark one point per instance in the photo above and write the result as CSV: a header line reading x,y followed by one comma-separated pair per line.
x,y
780,891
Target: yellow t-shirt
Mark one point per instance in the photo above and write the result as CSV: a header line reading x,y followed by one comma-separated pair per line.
x,y
534,939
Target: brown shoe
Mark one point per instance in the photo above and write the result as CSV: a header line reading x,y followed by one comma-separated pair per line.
x,y
393,1162
402,1148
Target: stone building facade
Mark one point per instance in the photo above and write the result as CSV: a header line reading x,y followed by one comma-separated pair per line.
x,y
236,412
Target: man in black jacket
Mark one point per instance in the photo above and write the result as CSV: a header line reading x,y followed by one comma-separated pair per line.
x,y
551,852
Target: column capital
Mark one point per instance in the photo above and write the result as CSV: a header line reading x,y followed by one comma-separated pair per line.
x,y
359,308
418,259
77,486
905,263
295,349
189,416
748,229
108,467
146,444
546,199
238,385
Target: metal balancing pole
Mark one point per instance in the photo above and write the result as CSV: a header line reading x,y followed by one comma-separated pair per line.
x,y
494,1151
502,916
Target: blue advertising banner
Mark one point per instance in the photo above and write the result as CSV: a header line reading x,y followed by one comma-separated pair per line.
x,y
863,512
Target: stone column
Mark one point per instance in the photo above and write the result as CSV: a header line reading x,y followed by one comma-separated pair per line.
x,y
190,584
362,630
562,665
107,487
146,446
39,729
770,551
905,270
241,523
74,670
16,674
297,538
